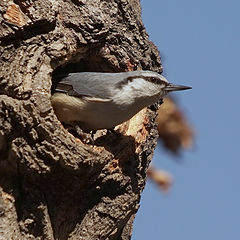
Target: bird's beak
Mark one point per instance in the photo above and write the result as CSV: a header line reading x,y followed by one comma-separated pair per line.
x,y
170,87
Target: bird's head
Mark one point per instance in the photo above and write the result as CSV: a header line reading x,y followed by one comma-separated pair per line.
x,y
153,83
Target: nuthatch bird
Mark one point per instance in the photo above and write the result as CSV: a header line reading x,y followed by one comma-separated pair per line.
x,y
94,100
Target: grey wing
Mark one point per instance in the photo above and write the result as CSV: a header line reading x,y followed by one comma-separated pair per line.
x,y
64,86
100,85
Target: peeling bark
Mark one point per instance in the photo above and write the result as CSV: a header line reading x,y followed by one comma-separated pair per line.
x,y
52,186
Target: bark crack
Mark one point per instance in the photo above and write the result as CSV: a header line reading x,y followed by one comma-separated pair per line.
x,y
35,29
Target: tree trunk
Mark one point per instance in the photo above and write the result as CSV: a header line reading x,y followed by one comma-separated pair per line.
x,y
53,186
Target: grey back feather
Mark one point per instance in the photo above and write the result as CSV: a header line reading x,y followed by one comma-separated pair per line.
x,y
88,84
93,84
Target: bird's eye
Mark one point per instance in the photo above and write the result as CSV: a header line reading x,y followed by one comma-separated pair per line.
x,y
154,80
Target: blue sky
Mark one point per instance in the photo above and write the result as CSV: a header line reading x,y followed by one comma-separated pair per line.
x,y
199,42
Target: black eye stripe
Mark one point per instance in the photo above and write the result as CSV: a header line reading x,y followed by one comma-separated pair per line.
x,y
149,79
125,81
155,80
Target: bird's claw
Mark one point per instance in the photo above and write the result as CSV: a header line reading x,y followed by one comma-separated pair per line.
x,y
87,138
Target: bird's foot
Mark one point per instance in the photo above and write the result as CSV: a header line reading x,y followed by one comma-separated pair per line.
x,y
111,130
87,138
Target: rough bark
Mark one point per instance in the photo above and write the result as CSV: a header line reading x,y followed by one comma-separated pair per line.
x,y
52,186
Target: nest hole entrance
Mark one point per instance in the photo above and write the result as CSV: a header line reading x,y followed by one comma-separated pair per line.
x,y
87,64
